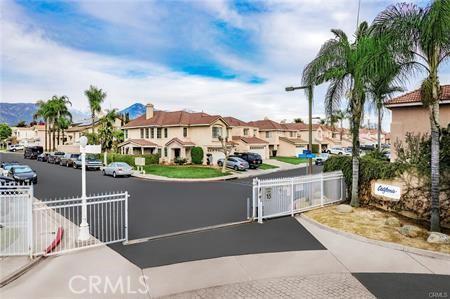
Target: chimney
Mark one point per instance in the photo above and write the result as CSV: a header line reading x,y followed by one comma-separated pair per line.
x,y
148,111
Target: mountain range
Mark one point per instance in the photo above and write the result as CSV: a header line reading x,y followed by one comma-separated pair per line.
x,y
13,113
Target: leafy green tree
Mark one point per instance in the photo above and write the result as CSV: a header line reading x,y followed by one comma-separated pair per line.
x,y
5,132
340,62
21,124
420,37
340,116
95,96
43,111
299,120
106,130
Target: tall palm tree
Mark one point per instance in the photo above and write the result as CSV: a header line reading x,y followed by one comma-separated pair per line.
x,y
62,113
63,123
340,116
43,112
421,38
340,62
95,96
106,131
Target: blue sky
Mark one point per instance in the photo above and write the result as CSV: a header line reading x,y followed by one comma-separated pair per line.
x,y
221,57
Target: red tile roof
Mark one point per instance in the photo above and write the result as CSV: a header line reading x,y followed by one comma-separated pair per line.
x,y
415,97
250,140
295,141
164,118
267,124
182,142
234,122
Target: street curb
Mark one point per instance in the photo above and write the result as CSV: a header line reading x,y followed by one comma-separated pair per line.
x,y
394,246
21,271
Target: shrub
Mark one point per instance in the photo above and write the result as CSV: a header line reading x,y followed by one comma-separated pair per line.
x,y
129,159
180,161
197,155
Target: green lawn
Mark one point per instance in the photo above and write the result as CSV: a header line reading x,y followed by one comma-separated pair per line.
x,y
184,172
265,166
290,160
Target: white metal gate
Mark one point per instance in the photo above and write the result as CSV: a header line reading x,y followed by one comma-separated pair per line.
x,y
15,219
287,196
34,227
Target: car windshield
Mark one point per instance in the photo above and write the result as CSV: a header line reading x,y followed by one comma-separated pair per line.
x,y
9,166
254,156
23,169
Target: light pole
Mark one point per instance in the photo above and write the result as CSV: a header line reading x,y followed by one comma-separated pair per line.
x,y
84,225
310,99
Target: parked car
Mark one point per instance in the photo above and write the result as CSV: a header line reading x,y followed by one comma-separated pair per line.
x,y
387,154
32,152
235,163
348,151
6,180
23,174
336,150
68,159
92,163
43,157
55,157
320,159
6,167
254,160
15,148
118,169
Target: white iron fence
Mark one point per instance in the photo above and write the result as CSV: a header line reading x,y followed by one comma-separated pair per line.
x,y
52,227
287,196
15,218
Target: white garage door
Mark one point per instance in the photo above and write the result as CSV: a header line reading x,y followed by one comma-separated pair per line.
x,y
259,150
216,155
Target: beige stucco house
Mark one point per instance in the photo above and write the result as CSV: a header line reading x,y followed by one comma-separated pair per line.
x,y
173,134
246,137
28,136
410,116
76,130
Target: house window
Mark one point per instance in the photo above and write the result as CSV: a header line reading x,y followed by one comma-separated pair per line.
x,y
292,134
158,132
125,134
165,133
142,133
165,152
246,132
146,133
255,132
159,152
184,132
216,132
268,134
152,132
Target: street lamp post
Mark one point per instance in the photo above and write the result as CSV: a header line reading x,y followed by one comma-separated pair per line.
x,y
310,99
84,225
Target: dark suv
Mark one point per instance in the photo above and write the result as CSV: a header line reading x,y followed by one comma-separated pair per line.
x,y
254,160
32,152
55,157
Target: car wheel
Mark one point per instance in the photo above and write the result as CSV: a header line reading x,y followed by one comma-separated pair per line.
x,y
75,166
329,152
235,168
67,164
220,164
114,174
103,172
340,153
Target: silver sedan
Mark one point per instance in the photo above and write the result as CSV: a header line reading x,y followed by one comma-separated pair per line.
x,y
234,163
118,169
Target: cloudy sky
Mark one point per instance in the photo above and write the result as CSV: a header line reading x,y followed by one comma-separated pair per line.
x,y
222,57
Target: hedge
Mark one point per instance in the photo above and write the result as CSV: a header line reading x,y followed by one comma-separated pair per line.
x,y
197,155
149,159
369,169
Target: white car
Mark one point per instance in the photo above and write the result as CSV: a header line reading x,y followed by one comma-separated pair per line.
x,y
118,169
336,150
16,147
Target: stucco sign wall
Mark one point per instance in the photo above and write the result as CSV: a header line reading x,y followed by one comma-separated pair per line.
x,y
389,191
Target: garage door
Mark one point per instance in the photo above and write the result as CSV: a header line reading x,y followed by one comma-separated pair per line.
x,y
216,155
259,150
299,150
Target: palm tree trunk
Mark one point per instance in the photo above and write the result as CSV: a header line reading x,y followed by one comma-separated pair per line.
x,y
45,134
63,136
58,135
340,135
379,128
435,192
355,156
93,120
53,137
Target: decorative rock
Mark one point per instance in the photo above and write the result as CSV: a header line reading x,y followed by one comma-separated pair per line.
x,y
409,231
392,221
438,238
344,209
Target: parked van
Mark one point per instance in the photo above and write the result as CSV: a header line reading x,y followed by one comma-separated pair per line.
x,y
32,152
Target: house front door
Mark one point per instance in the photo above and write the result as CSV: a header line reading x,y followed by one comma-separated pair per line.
x,y
176,153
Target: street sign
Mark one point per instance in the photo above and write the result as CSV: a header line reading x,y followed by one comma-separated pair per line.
x,y
93,149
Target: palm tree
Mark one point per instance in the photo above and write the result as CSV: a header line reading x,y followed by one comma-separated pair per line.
x,y
340,62
63,123
106,130
95,96
421,38
62,113
43,112
340,116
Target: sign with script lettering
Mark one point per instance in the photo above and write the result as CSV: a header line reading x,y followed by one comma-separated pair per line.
x,y
389,191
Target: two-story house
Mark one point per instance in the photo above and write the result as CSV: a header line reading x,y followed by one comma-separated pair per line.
x,y
173,134
76,130
28,136
247,137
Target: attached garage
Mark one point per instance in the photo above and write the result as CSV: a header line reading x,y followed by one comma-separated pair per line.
x,y
261,150
216,154
252,145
